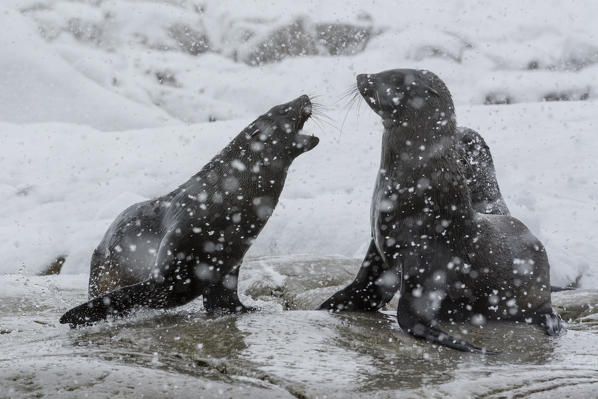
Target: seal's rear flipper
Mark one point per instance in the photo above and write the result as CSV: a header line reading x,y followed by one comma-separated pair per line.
x,y
87,313
149,293
115,303
554,288
425,331
571,286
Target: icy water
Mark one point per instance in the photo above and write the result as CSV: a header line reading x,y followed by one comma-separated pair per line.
x,y
284,350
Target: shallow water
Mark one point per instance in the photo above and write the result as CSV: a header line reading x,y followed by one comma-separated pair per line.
x,y
284,350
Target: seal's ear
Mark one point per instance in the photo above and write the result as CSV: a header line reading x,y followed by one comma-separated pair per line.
x,y
254,132
432,91
261,126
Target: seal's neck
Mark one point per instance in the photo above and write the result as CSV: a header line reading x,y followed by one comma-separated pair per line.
x,y
404,143
418,164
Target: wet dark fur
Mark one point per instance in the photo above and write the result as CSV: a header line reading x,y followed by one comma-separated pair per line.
x,y
447,242
189,243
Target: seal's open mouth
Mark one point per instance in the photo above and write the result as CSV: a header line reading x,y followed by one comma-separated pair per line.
x,y
304,139
304,113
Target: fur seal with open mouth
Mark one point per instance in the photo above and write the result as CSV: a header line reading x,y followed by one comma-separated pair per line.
x,y
451,259
170,250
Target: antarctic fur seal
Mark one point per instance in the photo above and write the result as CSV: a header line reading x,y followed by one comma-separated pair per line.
x,y
480,173
170,250
450,261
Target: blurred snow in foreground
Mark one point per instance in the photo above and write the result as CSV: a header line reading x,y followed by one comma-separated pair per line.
x,y
80,79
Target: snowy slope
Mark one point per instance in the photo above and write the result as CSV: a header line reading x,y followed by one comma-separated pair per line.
x,y
38,85
64,184
205,60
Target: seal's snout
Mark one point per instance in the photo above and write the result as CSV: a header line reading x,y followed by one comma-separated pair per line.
x,y
288,120
303,100
303,108
362,78
304,142
303,103
365,82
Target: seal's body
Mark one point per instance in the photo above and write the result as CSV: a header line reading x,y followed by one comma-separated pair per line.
x,y
168,251
450,261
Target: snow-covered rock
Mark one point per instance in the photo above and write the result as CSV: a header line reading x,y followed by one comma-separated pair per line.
x,y
211,60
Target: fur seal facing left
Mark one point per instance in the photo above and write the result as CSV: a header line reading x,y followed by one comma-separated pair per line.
x,y
450,261
170,250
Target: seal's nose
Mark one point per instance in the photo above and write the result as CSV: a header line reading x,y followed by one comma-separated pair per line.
x,y
365,81
304,99
303,103
361,79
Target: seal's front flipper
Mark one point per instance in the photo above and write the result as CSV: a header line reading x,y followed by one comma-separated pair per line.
x,y
421,329
222,297
551,322
374,286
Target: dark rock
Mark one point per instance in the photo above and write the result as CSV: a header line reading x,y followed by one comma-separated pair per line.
x,y
498,98
166,78
343,39
55,267
300,38
293,40
189,40
567,96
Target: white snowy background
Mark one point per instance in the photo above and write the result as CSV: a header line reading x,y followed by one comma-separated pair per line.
x,y
107,103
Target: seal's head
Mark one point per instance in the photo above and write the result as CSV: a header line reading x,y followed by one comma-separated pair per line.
x,y
408,97
278,134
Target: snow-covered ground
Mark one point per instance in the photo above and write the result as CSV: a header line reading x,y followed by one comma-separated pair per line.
x,y
63,184
97,98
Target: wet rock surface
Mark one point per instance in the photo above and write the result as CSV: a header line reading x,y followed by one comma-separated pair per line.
x,y
283,350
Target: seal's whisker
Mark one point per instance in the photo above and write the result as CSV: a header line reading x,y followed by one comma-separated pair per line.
x,y
351,101
318,125
320,107
320,114
326,122
349,91
352,91
319,111
358,108
349,106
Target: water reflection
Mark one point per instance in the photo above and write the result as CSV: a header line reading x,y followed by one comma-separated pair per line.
x,y
285,353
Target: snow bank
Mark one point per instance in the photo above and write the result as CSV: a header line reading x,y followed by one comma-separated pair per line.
x,y
64,184
194,59
38,85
